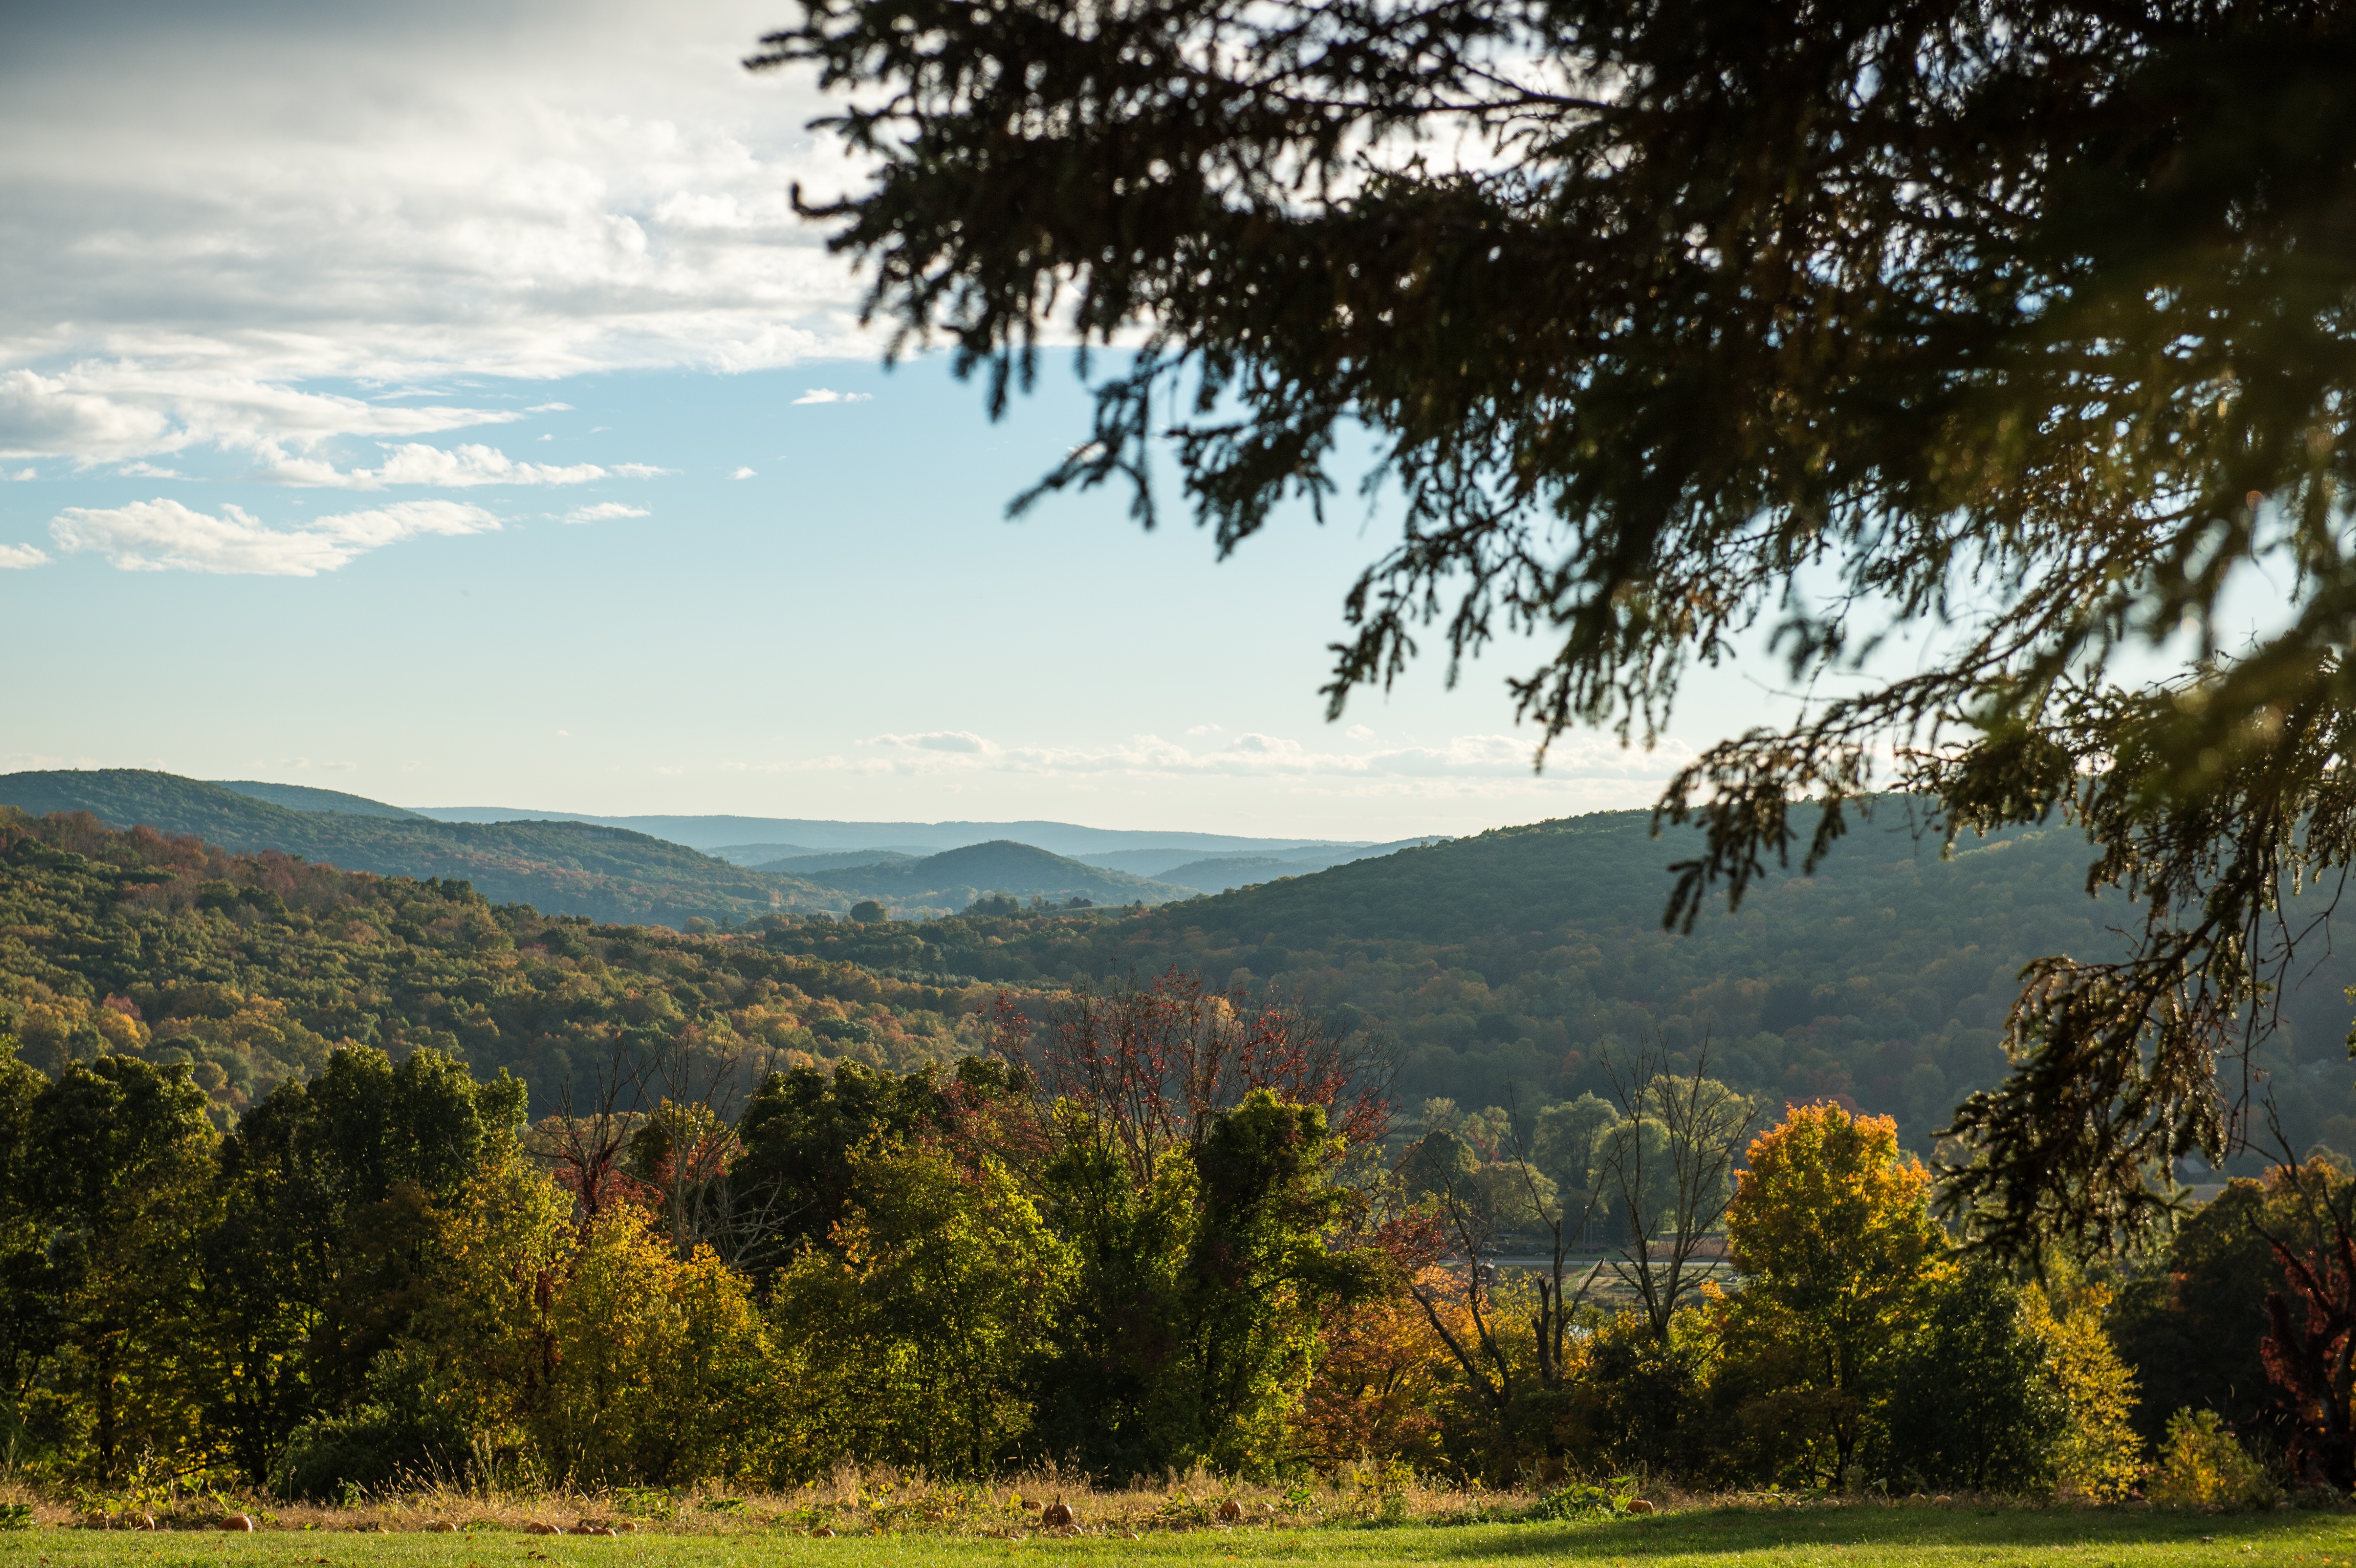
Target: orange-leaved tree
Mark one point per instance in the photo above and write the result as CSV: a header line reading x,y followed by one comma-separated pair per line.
x,y
1832,1226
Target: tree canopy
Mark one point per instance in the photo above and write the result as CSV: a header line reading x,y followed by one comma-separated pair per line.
x,y
2022,328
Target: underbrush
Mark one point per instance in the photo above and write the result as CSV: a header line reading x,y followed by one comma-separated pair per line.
x,y
1044,1504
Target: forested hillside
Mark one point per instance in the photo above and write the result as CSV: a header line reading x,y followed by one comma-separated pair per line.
x,y
255,968
304,797
562,868
1516,961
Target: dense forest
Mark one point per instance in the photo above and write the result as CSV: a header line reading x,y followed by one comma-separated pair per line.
x,y
1517,962
254,967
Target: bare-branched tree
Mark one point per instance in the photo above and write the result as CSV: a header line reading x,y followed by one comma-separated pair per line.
x,y
1669,1168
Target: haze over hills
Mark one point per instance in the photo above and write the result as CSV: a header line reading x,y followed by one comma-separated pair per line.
x,y
1218,872
798,835
955,878
558,868
571,867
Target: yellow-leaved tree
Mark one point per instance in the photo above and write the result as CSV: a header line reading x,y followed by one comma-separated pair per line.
x,y
661,1361
1832,1226
2098,1456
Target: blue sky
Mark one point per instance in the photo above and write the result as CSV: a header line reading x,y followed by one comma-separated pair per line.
x,y
439,403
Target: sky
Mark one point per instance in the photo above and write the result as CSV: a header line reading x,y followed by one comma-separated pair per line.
x,y
442,402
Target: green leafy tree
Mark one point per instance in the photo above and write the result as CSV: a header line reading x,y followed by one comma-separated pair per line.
x,y
1199,1286
1996,325
1971,1404
799,1132
117,1160
2190,1321
28,1326
913,1339
328,1193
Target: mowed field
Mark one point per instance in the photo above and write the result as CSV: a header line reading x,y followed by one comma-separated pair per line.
x,y
1863,1536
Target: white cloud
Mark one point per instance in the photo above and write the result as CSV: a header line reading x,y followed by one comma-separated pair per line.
x,y
550,409
455,468
604,511
743,474
822,395
20,474
148,471
18,557
103,410
964,740
165,536
526,189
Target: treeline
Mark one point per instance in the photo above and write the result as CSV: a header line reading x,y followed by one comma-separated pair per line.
x,y
1519,962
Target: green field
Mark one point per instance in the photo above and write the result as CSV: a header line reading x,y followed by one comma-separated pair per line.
x,y
1844,1536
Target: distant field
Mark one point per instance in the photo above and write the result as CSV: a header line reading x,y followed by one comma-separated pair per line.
x,y
1869,1537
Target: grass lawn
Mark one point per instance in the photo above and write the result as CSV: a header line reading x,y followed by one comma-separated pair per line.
x,y
1869,1537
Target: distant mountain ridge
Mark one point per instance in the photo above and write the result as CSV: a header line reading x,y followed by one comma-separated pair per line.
x,y
815,835
955,878
558,868
580,867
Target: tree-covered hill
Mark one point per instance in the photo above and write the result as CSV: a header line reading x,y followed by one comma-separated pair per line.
x,y
305,797
1515,961
1223,873
562,868
955,878
255,967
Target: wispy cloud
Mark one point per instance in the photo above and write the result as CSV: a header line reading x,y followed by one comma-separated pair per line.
x,y
604,511
460,467
744,473
18,557
824,395
120,410
1259,755
165,536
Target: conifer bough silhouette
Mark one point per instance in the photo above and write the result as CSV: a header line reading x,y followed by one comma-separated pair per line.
x,y
2030,329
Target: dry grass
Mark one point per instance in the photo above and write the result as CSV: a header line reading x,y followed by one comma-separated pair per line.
x,y
855,1500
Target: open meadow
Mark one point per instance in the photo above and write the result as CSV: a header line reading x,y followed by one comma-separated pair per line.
x,y
1868,1536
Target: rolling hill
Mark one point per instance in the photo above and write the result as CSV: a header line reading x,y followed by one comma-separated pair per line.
x,y
1225,873
253,968
559,868
1517,963
950,880
303,797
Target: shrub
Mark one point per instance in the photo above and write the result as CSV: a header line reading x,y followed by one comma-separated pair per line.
x,y
2202,1466
1586,1499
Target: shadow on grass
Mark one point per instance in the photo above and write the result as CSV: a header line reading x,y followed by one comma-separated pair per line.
x,y
1704,1531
